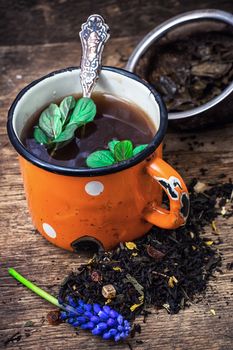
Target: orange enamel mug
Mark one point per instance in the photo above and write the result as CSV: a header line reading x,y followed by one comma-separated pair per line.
x,y
103,206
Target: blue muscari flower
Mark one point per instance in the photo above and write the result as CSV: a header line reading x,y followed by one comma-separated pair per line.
x,y
100,320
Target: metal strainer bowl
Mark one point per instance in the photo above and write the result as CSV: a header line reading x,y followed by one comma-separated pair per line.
x,y
218,109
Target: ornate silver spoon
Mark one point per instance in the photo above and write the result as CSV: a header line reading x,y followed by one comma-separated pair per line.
x,y
93,36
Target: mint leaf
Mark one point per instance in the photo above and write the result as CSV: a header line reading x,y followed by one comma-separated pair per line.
x,y
84,111
139,149
66,105
50,121
40,136
66,134
100,159
112,144
123,150
57,125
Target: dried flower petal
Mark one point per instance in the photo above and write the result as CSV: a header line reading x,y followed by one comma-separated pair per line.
x,y
212,311
214,227
134,306
53,317
117,268
154,253
96,276
209,243
172,281
130,245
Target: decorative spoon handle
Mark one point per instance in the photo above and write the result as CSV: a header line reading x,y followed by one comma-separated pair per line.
x,y
93,36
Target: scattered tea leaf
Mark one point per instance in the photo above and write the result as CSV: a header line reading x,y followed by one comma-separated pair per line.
x,y
190,71
192,269
100,159
229,266
123,150
211,69
29,324
53,318
139,288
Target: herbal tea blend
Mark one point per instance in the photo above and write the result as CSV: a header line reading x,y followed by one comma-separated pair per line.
x,y
165,268
70,141
189,72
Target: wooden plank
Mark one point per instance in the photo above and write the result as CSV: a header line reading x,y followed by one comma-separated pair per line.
x,y
21,247
52,21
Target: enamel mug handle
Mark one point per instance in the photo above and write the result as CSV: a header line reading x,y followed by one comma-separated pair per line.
x,y
176,190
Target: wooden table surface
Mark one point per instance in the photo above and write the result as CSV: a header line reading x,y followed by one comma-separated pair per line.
x,y
23,248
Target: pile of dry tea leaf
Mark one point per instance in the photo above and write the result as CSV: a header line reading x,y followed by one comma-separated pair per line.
x,y
189,72
165,268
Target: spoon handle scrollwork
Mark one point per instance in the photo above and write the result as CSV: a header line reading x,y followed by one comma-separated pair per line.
x,y
93,36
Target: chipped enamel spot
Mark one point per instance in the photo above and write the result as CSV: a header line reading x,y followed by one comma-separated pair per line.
x,y
49,230
94,188
170,186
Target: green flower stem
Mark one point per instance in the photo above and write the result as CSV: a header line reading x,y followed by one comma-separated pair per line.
x,y
43,294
